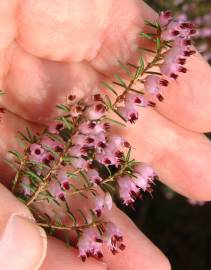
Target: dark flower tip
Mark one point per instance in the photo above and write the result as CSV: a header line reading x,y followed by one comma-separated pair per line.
x,y
61,197
99,240
98,213
97,97
58,148
89,140
83,258
127,144
59,126
71,97
189,53
37,151
181,61
175,33
100,108
133,118
151,104
100,255
91,125
167,14
182,69
2,110
66,185
174,76
106,126
160,97
122,246
164,82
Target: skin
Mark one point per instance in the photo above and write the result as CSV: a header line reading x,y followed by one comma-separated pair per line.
x,y
51,48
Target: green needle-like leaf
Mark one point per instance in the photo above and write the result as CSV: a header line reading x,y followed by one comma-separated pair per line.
x,y
125,68
140,69
120,80
109,87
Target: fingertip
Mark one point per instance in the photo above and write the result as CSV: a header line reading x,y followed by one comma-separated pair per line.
x,y
25,242
19,236
140,252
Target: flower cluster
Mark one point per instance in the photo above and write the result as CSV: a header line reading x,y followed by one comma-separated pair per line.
x,y
77,154
172,34
78,144
91,241
203,35
180,34
199,12
130,187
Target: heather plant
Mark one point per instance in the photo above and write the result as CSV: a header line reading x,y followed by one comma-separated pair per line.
x,y
199,12
78,154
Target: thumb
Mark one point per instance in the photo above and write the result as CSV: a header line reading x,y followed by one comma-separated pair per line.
x,y
22,244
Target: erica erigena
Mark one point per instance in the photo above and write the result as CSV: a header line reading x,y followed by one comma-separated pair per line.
x,y
78,154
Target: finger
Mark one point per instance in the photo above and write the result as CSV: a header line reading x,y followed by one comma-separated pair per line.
x,y
8,10
187,100
181,157
34,86
184,98
140,252
59,256
8,128
76,34
46,80
19,237
159,258
62,30
181,106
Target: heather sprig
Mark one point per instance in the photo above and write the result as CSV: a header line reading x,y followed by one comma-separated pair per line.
x,y
78,155
198,12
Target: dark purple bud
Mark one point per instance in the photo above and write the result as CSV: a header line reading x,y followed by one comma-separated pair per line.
x,y
160,97
174,75
181,61
61,197
37,151
97,97
66,185
182,69
71,97
164,82
59,126
175,33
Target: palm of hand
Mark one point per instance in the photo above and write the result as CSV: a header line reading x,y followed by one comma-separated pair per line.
x,y
51,49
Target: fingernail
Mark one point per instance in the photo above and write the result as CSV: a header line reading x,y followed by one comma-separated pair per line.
x,y
22,244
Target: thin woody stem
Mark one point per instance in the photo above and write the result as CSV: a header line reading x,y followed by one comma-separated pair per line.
x,y
131,89
22,165
75,228
117,174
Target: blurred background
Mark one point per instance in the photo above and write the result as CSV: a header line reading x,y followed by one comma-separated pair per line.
x,y
179,227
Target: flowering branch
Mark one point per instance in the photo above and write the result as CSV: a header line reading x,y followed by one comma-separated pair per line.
x,y
78,146
71,228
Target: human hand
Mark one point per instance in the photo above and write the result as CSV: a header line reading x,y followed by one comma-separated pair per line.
x,y
51,49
